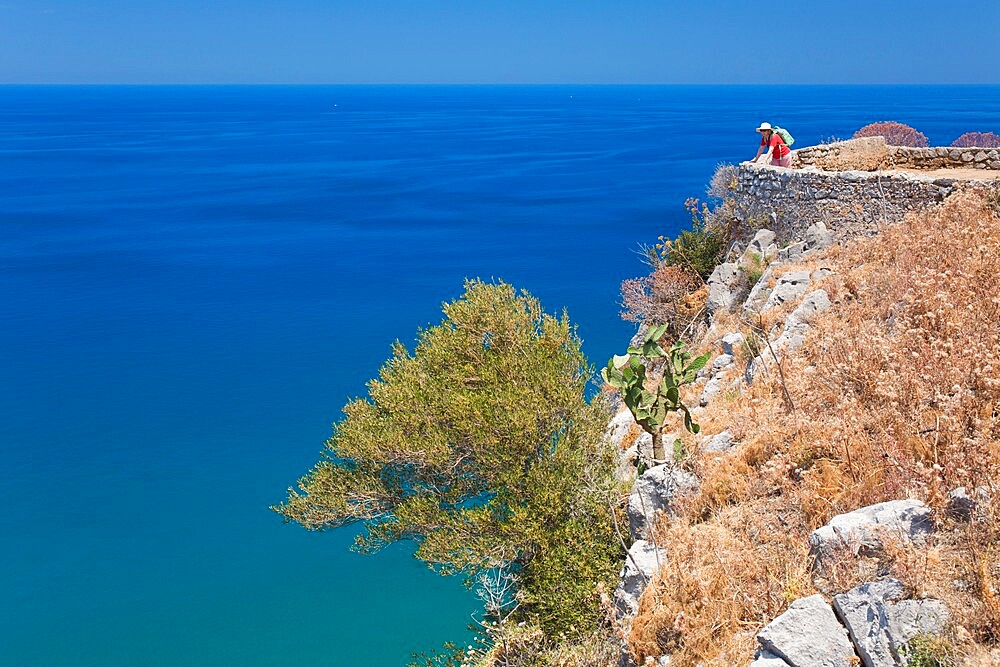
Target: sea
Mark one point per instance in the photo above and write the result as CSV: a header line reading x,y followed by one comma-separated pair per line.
x,y
195,279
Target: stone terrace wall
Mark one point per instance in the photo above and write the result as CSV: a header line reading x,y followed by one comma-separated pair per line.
x,y
945,157
871,153
849,203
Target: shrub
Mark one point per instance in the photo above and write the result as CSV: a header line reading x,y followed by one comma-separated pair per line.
x,y
479,446
896,134
977,140
664,297
698,249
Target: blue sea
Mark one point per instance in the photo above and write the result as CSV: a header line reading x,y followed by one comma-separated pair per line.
x,y
194,280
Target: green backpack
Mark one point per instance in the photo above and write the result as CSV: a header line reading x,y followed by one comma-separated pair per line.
x,y
785,135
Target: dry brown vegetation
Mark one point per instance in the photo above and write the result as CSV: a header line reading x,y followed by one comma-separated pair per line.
x,y
895,394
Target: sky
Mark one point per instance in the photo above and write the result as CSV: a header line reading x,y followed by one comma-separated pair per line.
x,y
499,41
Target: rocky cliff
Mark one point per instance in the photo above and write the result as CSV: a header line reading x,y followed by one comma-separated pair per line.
x,y
838,507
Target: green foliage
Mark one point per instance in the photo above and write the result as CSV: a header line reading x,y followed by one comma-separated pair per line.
x,y
449,655
650,409
698,249
480,447
926,650
754,268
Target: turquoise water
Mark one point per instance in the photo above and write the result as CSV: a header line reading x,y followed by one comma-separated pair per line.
x,y
194,279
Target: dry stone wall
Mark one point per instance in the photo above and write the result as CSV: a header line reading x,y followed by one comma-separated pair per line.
x,y
871,153
945,158
849,203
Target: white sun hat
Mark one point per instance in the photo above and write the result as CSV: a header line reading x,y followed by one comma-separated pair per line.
x,y
764,126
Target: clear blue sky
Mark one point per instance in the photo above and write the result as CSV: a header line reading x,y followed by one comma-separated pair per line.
x,y
499,41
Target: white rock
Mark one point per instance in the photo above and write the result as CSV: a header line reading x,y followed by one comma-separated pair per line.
x,y
731,342
790,287
722,362
808,635
641,564
817,237
881,623
653,492
721,442
862,531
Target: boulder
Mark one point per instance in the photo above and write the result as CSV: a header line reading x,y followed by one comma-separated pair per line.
x,y
723,287
789,287
768,659
761,243
641,564
722,362
792,252
711,390
808,635
653,492
817,237
721,442
760,292
619,426
815,302
798,321
732,342
881,623
962,507
862,531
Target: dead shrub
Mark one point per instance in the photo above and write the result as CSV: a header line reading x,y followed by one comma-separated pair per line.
x,y
720,581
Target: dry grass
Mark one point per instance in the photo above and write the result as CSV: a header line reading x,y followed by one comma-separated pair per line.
x,y
896,394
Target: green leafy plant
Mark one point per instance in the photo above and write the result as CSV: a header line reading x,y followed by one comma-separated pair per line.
x,y
698,249
627,373
927,650
754,268
478,447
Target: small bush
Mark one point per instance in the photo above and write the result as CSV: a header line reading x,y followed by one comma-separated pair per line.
x,y
663,297
977,140
896,134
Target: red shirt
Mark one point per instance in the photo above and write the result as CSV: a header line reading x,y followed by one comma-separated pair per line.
x,y
776,142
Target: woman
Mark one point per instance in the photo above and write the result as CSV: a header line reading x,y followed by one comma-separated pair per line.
x,y
781,155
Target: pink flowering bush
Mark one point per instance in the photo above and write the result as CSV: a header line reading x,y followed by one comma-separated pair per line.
x,y
896,134
977,140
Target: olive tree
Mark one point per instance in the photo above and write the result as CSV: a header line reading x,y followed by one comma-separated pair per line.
x,y
480,447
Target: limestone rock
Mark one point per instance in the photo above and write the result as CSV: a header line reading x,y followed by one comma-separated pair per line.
x,y
790,287
711,390
792,253
731,342
881,623
818,237
721,442
808,635
641,564
814,303
722,362
761,241
722,287
653,492
760,292
862,531
619,427
798,321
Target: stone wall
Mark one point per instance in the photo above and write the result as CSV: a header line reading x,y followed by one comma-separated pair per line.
x,y
945,157
871,153
849,203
